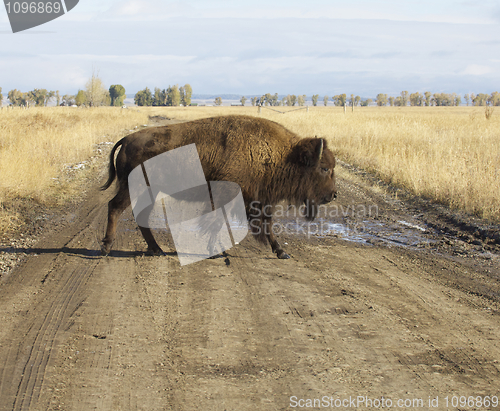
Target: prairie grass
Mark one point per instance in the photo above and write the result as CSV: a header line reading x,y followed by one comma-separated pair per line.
x,y
448,154
37,145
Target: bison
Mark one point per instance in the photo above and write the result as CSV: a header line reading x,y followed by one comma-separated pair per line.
x,y
270,164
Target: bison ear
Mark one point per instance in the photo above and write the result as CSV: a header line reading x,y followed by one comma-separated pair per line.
x,y
311,151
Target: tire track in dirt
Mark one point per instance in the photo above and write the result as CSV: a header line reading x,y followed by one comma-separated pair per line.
x,y
40,339
58,283
113,355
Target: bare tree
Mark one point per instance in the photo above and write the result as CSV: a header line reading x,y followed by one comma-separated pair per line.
x,y
95,91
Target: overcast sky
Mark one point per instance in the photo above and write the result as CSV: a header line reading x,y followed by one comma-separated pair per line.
x,y
253,47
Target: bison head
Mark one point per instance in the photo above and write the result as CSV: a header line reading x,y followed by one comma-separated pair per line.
x,y
317,186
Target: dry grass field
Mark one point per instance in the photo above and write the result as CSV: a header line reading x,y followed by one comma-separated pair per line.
x,y
37,145
448,154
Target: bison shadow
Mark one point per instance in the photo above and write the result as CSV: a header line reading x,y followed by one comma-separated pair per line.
x,y
82,252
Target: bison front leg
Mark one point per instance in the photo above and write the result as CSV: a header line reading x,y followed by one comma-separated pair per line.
x,y
271,237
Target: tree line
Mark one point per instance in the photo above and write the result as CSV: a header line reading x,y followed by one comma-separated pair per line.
x,y
404,99
273,100
300,100
172,96
438,99
94,95
36,97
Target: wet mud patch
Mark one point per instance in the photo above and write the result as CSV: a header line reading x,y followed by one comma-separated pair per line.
x,y
368,232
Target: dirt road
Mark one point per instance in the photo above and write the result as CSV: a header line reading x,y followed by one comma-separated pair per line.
x,y
392,304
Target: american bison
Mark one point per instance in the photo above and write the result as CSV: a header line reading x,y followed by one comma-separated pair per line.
x,y
270,164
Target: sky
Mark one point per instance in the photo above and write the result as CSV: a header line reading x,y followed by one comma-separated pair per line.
x,y
323,47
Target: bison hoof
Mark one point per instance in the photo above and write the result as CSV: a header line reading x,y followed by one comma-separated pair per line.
x,y
282,255
105,250
155,251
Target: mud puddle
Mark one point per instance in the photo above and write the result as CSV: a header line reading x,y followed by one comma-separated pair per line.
x,y
368,232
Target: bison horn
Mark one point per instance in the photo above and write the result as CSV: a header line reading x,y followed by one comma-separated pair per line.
x,y
320,149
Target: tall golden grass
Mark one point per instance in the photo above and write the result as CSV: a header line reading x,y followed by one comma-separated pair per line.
x,y
448,154
36,145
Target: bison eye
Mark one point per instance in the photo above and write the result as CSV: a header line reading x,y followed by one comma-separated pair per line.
x,y
326,170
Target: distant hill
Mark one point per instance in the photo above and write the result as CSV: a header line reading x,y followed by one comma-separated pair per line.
x,y
213,96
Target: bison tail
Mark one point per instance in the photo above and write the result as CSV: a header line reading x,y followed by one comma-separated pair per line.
x,y
112,169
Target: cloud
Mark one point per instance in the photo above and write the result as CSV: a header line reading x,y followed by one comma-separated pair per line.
x,y
445,11
351,54
386,55
251,55
348,54
148,10
442,53
477,70
17,55
260,53
488,43
135,59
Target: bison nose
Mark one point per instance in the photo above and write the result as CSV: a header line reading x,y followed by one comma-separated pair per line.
x,y
330,197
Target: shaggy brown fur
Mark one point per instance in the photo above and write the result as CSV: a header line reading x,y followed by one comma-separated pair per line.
x,y
267,161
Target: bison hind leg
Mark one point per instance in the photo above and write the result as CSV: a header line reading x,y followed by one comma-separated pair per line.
x,y
153,247
115,207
